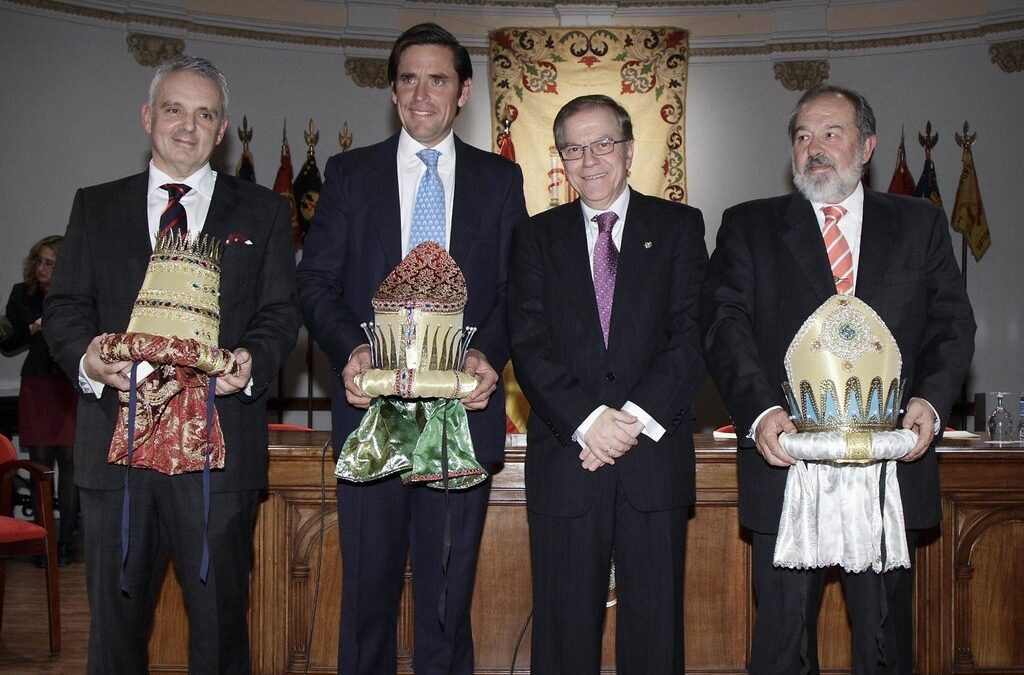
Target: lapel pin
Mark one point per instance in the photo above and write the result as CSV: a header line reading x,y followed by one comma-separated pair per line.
x,y
648,244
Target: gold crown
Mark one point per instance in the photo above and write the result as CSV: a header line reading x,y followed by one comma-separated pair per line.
x,y
844,370
418,314
180,296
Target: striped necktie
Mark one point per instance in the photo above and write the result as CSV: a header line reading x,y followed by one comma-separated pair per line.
x,y
173,218
839,256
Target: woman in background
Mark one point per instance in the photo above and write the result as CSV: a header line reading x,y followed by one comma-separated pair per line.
x,y
47,402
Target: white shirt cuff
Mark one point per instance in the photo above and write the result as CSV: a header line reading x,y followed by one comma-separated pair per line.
x,y
652,429
581,431
85,383
753,427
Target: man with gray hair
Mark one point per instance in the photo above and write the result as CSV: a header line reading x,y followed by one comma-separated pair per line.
x,y
777,260
110,236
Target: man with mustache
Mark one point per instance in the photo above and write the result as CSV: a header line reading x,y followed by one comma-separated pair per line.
x,y
770,270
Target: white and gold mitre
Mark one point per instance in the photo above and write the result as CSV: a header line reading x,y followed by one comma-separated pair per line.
x,y
417,340
844,370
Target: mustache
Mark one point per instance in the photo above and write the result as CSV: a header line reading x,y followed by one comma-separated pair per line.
x,y
818,160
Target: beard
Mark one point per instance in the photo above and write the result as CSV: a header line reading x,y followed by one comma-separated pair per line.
x,y
830,187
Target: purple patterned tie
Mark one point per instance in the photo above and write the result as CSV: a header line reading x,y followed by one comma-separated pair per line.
x,y
606,264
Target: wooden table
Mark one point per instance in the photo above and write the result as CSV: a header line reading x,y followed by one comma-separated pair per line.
x,y
969,599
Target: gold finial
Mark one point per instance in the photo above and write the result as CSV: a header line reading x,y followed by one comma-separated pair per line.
x,y
927,140
344,137
245,133
967,140
312,137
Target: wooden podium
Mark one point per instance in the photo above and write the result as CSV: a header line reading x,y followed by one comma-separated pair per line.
x,y
969,597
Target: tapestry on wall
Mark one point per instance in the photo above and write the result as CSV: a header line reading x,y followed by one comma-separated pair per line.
x,y
535,71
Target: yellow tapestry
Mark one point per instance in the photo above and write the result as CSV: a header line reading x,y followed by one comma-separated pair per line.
x,y
535,71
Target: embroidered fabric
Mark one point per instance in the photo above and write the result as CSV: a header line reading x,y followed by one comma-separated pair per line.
x,y
832,512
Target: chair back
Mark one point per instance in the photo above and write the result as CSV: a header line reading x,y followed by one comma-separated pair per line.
x,y
7,451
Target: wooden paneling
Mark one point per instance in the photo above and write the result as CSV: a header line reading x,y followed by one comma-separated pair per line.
x,y
969,606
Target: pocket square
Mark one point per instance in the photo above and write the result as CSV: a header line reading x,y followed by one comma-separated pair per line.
x,y
237,238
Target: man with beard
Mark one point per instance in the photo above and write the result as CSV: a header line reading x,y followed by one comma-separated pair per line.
x,y
771,269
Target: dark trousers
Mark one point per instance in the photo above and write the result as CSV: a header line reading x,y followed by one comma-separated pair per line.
x,y
786,630
381,524
571,561
67,492
167,519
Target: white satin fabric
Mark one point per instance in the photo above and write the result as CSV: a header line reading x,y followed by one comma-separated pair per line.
x,y
831,513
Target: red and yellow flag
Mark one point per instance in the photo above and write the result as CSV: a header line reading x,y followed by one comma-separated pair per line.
x,y
968,212
283,186
902,182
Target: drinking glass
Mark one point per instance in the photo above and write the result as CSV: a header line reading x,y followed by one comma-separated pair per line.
x,y
1000,424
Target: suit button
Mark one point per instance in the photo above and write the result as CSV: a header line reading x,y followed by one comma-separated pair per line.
x,y
610,377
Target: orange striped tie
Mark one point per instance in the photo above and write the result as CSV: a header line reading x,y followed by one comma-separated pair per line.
x,y
839,256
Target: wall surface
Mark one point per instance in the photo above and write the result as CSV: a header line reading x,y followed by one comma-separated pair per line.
x,y
72,94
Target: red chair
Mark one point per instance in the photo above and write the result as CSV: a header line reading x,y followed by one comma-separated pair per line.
x,y
21,537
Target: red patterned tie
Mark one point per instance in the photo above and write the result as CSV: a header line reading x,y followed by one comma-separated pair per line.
x,y
606,265
839,256
173,218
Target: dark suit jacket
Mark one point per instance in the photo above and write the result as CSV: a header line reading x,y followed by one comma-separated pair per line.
x,y
102,264
22,310
770,271
355,241
653,356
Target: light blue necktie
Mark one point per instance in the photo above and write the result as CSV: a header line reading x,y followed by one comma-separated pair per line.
x,y
428,210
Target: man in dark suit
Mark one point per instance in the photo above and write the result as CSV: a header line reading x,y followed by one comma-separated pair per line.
x,y
364,225
769,272
603,319
109,240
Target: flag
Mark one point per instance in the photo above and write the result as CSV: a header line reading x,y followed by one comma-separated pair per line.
x,y
968,212
902,182
283,186
928,185
246,166
307,186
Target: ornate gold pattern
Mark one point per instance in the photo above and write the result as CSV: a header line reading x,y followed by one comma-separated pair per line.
x,y
366,72
1009,56
152,50
801,75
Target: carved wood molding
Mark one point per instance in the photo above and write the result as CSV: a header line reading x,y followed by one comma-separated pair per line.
x,y
975,521
801,75
1009,56
368,72
152,50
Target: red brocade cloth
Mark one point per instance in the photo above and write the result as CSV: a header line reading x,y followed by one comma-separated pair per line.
x,y
171,434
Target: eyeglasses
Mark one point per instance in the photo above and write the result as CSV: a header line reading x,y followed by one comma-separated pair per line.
x,y
597,148
45,262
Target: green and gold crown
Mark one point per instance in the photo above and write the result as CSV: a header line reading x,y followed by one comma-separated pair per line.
x,y
844,370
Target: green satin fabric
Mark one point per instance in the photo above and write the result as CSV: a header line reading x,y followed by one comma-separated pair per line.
x,y
400,436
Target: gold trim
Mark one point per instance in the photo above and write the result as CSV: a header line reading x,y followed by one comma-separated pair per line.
x,y
801,75
152,50
1009,56
368,72
385,45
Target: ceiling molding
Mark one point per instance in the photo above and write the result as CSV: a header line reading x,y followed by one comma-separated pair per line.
x,y
705,48
1009,56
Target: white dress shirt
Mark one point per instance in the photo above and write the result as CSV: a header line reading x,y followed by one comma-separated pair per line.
x,y
411,169
620,207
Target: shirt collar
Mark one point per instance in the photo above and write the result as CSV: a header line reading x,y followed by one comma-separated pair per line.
x,y
619,206
409,146
854,205
202,181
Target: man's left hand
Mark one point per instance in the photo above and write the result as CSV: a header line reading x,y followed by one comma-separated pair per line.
x,y
228,383
477,365
919,419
